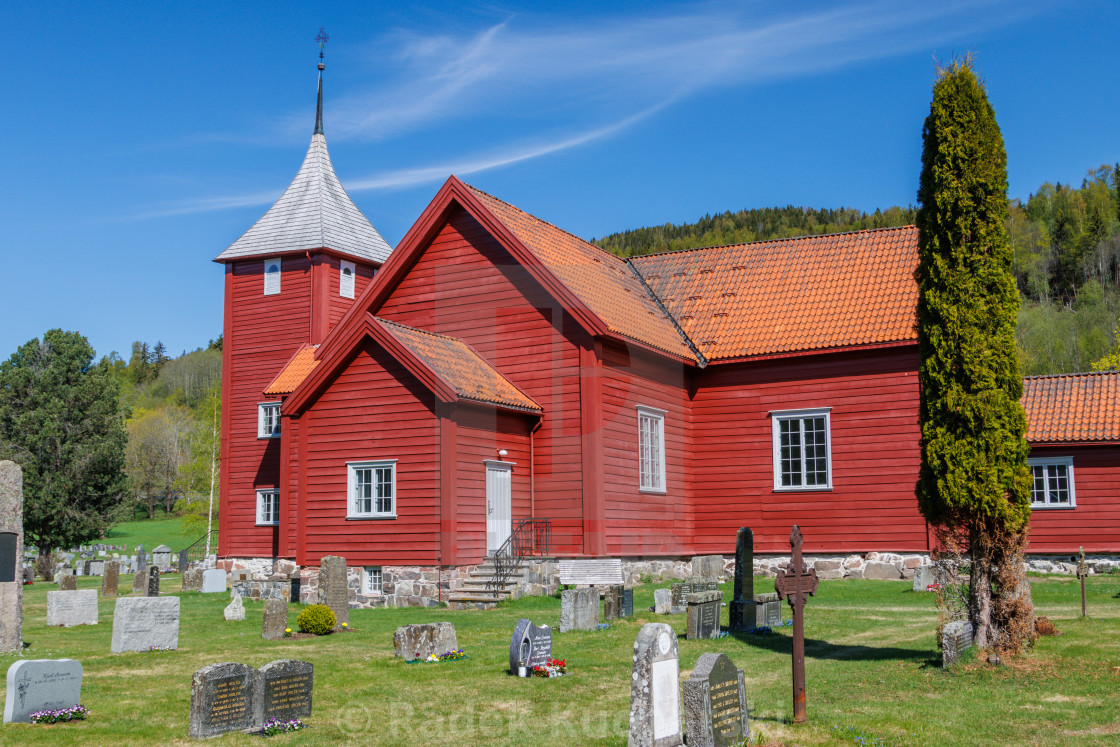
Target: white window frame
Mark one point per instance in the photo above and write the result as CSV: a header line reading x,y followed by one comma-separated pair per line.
x,y
370,572
779,416
651,479
1066,462
269,495
352,511
346,290
272,279
263,431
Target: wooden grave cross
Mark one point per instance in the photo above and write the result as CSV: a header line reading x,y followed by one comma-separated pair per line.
x,y
795,585
1082,572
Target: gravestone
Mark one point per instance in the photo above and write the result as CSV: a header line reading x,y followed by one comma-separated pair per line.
x,y
742,614
184,562
69,582
11,551
236,608
140,582
530,646
141,559
284,690
715,703
192,580
579,609
956,637
796,584
662,601
41,685
411,642
141,623
28,575
768,608
222,700
924,577
213,581
707,567
96,568
111,580
87,567
275,619
334,590
161,557
690,586
153,581
655,703
627,603
612,602
70,608
703,614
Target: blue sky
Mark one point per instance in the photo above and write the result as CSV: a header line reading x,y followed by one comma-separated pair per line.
x,y
145,138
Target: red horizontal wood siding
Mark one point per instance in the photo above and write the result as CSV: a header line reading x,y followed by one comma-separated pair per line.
x,y
338,305
875,453
467,286
373,410
1095,521
638,523
264,332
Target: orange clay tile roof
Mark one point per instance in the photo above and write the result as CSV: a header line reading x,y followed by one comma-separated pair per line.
x,y
1073,407
470,376
294,372
598,278
809,293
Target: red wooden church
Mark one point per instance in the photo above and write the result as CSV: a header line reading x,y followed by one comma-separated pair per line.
x,y
408,409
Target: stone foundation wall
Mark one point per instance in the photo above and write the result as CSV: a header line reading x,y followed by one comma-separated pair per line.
x,y
401,586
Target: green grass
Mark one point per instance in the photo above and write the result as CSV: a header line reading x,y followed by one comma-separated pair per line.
x,y
871,663
151,533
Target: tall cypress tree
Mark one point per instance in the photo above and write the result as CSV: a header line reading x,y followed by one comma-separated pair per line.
x,y
974,483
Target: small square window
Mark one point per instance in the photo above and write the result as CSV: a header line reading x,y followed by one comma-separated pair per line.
x,y
272,276
371,489
268,419
1052,483
802,449
268,507
371,580
651,450
346,279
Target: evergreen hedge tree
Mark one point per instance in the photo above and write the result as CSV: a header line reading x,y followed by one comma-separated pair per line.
x,y
974,484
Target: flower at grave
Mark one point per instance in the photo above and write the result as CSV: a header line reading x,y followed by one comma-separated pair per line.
x,y
933,587
345,625
73,713
552,668
603,626
275,726
453,655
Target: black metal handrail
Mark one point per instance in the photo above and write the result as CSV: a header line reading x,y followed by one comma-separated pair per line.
x,y
195,551
529,537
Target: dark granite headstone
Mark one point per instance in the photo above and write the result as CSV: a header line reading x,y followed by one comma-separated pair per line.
x,y
530,646
741,612
183,561
334,590
110,581
655,695
627,603
275,619
141,562
715,703
11,580
222,700
703,614
153,581
284,690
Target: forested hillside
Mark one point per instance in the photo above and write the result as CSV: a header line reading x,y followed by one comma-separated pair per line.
x,y
1067,260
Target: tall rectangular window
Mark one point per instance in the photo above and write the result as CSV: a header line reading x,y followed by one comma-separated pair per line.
x,y
802,449
268,506
651,450
372,488
272,276
1052,483
346,279
371,580
268,419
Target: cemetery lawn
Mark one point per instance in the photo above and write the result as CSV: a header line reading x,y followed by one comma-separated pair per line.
x,y
151,533
872,669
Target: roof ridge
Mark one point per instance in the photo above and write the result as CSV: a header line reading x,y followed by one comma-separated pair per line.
x,y
545,222
1072,374
771,241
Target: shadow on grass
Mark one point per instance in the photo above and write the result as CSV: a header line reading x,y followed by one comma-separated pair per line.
x,y
817,649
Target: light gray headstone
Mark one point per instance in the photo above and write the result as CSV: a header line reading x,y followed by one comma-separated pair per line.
x,y
236,608
703,614
70,608
707,567
214,581
41,685
956,637
715,703
192,579
655,695
662,601
161,556
11,552
923,577
334,590
223,699
411,642
579,609
139,623
275,619
97,568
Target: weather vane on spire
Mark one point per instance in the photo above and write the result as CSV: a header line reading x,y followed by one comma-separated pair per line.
x,y
322,38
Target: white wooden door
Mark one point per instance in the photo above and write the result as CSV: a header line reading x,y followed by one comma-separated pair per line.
x,y
499,522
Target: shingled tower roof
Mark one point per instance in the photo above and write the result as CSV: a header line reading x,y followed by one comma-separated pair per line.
x,y
313,213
